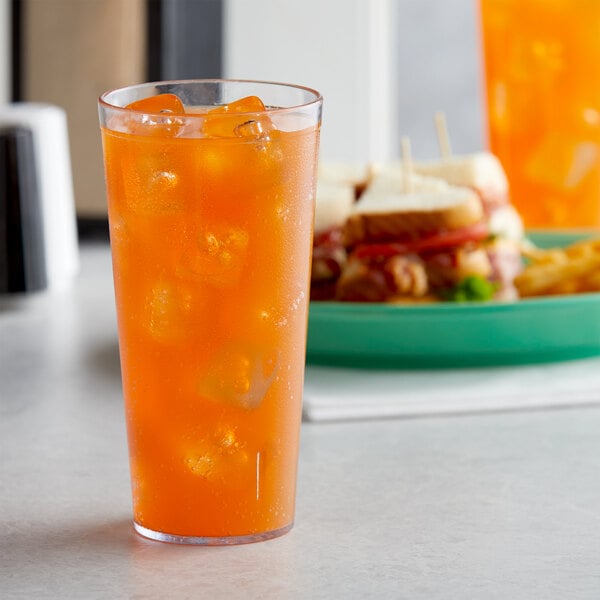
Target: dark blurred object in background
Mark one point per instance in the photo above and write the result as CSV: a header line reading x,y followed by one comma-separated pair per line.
x,y
22,261
184,39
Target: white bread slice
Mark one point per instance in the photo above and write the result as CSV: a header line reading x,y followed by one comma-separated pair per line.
x,y
386,212
481,171
344,172
333,204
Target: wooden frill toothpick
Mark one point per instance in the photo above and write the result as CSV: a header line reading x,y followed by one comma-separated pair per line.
x,y
442,134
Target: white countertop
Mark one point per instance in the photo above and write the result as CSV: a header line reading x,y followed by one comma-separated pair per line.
x,y
498,505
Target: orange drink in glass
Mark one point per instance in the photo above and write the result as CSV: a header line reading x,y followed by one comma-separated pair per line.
x,y
210,189
542,72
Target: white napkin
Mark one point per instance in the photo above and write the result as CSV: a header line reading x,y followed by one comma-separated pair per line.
x,y
332,394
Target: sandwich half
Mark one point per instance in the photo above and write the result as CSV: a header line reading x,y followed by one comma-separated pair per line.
x,y
417,238
483,173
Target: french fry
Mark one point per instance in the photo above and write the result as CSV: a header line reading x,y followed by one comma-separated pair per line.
x,y
584,248
556,271
571,286
539,255
591,283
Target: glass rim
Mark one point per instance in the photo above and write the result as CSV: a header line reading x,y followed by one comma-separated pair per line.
x,y
317,99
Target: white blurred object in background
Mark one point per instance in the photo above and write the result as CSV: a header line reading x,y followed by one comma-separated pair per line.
x,y
48,124
5,51
342,48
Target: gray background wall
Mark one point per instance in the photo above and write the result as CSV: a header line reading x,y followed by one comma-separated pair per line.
x,y
439,68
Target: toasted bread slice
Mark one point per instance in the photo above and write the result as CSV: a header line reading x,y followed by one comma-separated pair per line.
x,y
387,212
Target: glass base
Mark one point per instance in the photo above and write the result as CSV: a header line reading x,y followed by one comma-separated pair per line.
x,y
194,540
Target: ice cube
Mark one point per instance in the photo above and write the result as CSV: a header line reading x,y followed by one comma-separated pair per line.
x,y
233,449
562,162
241,374
218,256
215,165
167,311
252,129
220,457
202,462
154,185
248,104
162,103
163,194
548,54
157,116
251,123
590,116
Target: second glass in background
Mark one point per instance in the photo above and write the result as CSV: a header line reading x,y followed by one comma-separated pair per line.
x,y
542,72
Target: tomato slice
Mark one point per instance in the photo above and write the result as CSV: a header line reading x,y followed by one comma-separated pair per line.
x,y
438,241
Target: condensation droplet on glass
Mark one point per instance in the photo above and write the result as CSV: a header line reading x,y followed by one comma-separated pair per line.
x,y
283,212
297,301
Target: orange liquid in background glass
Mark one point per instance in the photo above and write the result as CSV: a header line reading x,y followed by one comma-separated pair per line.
x,y
542,65
211,246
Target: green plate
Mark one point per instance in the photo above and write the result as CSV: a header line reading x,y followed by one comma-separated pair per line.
x,y
454,335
